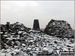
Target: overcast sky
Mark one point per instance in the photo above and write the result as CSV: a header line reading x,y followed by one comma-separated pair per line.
x,y
26,11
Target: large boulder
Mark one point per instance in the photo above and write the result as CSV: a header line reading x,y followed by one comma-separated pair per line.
x,y
59,28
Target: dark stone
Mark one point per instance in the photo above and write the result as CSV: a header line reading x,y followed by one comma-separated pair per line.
x,y
59,28
36,25
7,25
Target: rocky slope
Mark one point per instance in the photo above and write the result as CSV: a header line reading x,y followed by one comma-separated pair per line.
x,y
20,40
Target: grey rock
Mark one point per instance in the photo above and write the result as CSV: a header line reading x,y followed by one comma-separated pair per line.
x,y
59,28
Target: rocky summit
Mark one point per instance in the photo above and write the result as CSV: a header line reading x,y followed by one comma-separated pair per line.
x,y
59,28
18,40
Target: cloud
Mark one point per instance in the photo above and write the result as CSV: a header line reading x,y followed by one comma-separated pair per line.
x,y
27,11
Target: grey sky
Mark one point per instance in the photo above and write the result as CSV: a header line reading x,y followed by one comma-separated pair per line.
x,y
26,11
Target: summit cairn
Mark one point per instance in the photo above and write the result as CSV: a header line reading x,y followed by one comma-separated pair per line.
x,y
36,25
59,28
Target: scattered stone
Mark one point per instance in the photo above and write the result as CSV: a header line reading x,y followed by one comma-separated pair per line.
x,y
23,41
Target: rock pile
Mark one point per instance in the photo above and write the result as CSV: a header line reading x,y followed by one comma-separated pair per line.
x,y
13,28
10,31
18,40
59,28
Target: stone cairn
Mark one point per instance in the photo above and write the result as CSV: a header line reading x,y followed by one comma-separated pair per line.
x,y
59,28
36,25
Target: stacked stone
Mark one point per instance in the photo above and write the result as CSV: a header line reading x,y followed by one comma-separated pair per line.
x,y
36,25
16,30
19,41
59,28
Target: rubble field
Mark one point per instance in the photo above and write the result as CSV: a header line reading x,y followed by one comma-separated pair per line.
x,y
18,40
